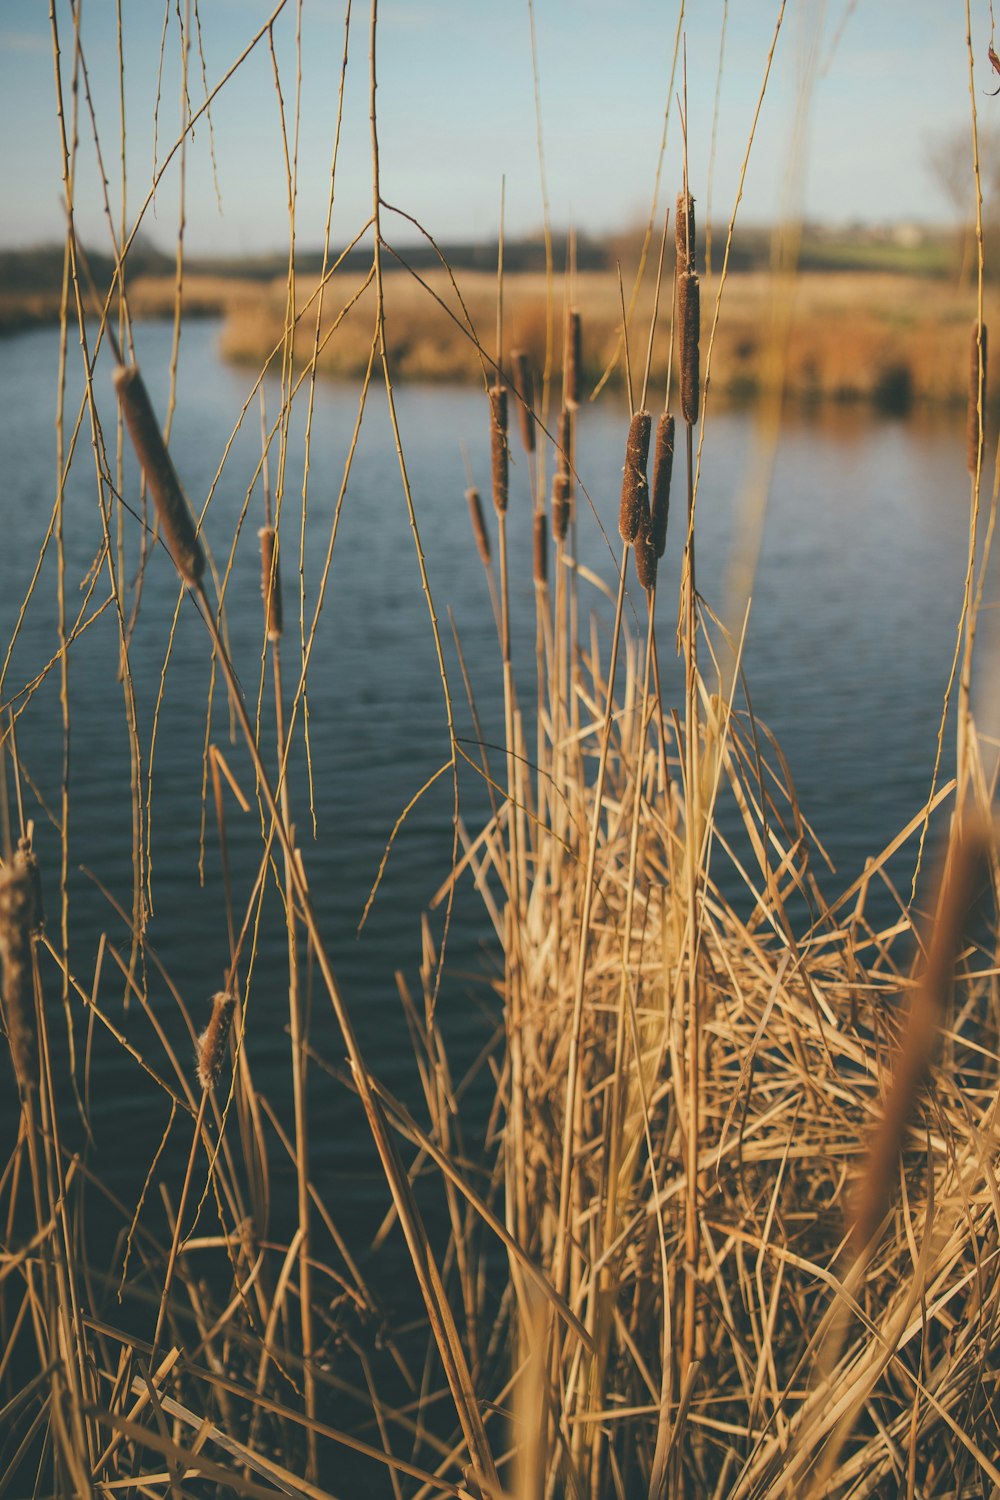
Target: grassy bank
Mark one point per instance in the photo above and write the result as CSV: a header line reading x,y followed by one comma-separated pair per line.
x,y
870,336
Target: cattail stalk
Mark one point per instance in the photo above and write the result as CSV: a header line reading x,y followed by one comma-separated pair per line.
x,y
977,399
560,505
663,464
270,582
684,230
498,446
176,521
635,490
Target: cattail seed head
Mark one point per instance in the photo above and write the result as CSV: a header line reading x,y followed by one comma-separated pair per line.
x,y
270,582
635,490
644,548
176,521
18,920
498,446
564,458
479,524
214,1039
572,360
541,547
663,464
977,399
684,230
689,321
560,505
525,387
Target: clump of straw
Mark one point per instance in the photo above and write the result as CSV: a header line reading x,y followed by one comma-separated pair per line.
x,y
498,446
19,917
977,399
478,524
572,360
663,464
176,521
270,581
526,405
635,490
212,1042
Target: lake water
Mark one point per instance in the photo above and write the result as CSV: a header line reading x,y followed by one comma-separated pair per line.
x,y
855,606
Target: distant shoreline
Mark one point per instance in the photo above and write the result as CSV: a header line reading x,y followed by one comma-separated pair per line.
x,y
891,340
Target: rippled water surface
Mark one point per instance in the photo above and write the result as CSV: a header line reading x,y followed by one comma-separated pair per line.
x,y
855,605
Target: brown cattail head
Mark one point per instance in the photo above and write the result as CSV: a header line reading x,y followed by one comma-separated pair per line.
x,y
684,229
525,387
572,360
644,548
479,524
560,505
541,547
19,918
176,521
564,458
270,581
214,1039
635,490
977,398
689,321
498,446
663,464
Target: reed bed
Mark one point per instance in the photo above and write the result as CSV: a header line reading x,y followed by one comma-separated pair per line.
x,y
728,1223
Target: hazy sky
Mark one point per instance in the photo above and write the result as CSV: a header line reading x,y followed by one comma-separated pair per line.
x,y
876,82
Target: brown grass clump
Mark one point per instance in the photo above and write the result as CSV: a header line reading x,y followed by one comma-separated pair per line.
x,y
635,489
175,517
213,1041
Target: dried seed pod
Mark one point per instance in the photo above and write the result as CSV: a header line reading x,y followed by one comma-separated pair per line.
x,y
498,446
541,547
176,521
689,321
635,490
525,386
479,524
644,548
663,464
560,505
18,920
977,399
214,1039
572,360
270,581
684,230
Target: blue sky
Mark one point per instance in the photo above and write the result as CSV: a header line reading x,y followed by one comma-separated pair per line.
x,y
456,109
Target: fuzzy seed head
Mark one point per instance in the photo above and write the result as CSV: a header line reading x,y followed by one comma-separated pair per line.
x,y
689,321
498,446
525,386
663,464
541,547
479,524
560,505
572,360
635,490
176,521
18,921
214,1039
684,230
